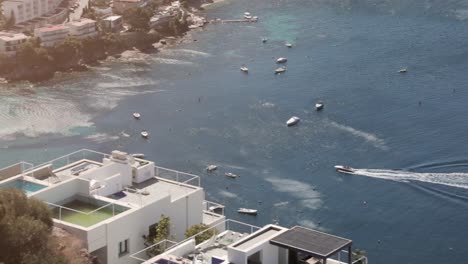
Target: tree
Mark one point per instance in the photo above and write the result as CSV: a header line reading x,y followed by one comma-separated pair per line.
x,y
67,53
161,231
195,229
138,18
25,225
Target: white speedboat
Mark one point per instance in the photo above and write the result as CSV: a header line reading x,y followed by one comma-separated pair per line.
x,y
211,168
136,115
281,60
289,45
144,134
319,106
231,175
247,211
345,169
292,121
403,70
247,15
138,155
280,70
244,69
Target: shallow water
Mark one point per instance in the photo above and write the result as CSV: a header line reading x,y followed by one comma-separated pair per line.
x,y
200,109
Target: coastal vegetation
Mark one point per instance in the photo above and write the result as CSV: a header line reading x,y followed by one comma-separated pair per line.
x,y
195,229
158,232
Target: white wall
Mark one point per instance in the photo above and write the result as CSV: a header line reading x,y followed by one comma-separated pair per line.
x,y
143,173
182,249
108,170
57,193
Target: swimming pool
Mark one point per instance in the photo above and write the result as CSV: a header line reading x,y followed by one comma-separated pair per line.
x,y
26,186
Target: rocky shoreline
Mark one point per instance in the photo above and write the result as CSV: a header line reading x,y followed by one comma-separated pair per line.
x,y
13,69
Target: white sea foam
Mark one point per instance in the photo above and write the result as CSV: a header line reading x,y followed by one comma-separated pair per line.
x,y
310,198
311,224
369,137
456,179
172,61
227,194
185,52
101,138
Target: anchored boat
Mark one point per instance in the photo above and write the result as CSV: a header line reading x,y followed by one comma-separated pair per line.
x,y
292,121
247,211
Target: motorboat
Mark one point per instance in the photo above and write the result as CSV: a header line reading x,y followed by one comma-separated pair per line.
x,y
138,155
403,70
280,70
292,121
211,168
264,40
281,60
136,115
244,69
247,15
231,175
319,106
289,45
247,211
345,169
144,134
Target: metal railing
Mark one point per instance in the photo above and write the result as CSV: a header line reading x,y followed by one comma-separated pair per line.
x,y
164,244
73,157
177,176
213,207
64,208
227,225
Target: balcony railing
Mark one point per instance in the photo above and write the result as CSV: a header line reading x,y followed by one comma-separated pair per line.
x,y
177,176
227,225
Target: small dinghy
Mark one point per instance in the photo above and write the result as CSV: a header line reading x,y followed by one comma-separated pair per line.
x,y
292,121
136,115
247,211
281,60
289,45
280,70
244,69
211,168
231,175
403,70
319,106
144,134
264,40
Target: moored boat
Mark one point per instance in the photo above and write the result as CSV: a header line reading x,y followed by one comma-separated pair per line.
x,y
280,70
244,69
211,168
281,60
136,115
289,45
319,106
292,121
144,134
247,211
231,175
403,70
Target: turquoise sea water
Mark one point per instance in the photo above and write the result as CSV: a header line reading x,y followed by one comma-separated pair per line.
x,y
404,132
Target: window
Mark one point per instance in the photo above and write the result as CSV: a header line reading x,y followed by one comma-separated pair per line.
x,y
123,248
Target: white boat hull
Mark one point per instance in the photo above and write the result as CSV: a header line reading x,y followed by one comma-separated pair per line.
x,y
247,211
345,169
293,121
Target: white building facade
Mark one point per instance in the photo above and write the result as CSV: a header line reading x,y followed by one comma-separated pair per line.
x,y
10,42
83,28
52,35
25,10
125,197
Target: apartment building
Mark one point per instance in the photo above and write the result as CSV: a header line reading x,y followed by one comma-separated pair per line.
x,y
83,28
52,35
111,201
112,23
10,42
25,10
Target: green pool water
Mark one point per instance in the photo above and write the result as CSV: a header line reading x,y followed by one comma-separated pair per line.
x,y
86,220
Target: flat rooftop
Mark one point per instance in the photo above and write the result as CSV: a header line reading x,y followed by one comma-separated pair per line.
x,y
153,189
311,241
257,238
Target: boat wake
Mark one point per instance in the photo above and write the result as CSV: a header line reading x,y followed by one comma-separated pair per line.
x,y
455,179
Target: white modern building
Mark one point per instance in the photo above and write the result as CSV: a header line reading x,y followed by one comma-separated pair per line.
x,y
113,23
25,10
111,201
52,34
83,28
10,42
240,243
